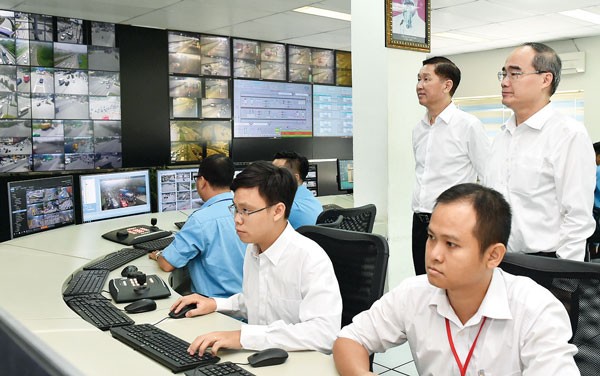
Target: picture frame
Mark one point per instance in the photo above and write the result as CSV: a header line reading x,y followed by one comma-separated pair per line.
x,y
408,24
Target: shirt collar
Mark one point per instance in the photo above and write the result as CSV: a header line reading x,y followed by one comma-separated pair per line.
x,y
216,198
445,115
536,121
274,252
494,305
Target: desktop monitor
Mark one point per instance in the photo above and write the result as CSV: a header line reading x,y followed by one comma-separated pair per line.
x,y
176,189
332,111
271,109
345,172
40,204
116,194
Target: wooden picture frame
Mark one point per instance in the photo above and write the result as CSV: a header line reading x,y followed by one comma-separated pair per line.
x,y
408,24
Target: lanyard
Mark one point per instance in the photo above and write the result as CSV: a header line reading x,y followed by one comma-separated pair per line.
x,y
461,368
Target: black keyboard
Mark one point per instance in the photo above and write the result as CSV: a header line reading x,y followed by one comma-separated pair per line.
x,y
98,311
219,369
163,347
115,259
86,282
156,244
179,224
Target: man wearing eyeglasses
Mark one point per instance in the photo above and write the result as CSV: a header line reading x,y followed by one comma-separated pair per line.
x,y
542,161
450,147
290,298
208,243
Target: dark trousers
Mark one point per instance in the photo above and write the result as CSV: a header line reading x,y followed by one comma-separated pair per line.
x,y
419,239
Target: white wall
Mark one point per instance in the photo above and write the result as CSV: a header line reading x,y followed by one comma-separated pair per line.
x,y
479,75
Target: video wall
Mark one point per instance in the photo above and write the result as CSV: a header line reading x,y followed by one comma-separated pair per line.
x,y
60,105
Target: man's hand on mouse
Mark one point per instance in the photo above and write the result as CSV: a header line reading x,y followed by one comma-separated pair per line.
x,y
216,340
204,305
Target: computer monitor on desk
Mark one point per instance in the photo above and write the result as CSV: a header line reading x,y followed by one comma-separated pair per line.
x,y
345,175
40,204
177,189
116,194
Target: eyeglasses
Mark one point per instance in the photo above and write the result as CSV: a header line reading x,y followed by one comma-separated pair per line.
x,y
513,76
245,212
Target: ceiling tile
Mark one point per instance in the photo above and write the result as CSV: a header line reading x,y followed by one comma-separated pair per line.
x,y
335,5
547,6
446,19
489,12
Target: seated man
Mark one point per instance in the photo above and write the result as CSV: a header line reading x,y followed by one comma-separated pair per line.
x,y
306,208
207,243
465,310
290,298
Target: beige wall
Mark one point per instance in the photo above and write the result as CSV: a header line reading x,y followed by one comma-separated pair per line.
x,y
479,75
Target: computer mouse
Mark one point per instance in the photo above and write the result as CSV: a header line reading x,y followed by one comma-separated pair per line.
x,y
142,305
268,357
182,312
128,271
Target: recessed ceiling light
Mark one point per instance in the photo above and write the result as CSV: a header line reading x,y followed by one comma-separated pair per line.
x,y
466,38
324,13
583,15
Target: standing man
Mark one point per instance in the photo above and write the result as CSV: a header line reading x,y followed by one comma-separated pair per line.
x,y
208,243
467,316
306,208
290,298
542,161
450,147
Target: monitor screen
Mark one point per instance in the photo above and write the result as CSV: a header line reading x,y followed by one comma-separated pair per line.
x,y
332,111
114,195
40,204
345,169
311,180
271,109
177,189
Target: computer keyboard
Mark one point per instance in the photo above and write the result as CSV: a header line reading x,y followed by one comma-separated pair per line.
x,y
219,369
153,245
163,347
98,311
115,259
86,282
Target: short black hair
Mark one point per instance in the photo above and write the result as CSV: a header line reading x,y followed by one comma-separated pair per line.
x,y
491,209
295,162
597,147
217,169
546,60
275,184
446,69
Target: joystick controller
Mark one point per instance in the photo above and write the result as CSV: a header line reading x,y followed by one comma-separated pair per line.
x,y
153,222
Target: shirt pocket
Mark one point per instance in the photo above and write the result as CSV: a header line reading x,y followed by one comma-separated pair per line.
x,y
525,174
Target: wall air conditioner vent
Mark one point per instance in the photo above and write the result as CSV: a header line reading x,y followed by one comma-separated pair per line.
x,y
573,62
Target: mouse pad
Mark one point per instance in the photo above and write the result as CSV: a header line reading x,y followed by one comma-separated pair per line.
x,y
135,234
123,290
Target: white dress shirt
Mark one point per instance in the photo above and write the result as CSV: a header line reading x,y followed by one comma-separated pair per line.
x,y
291,297
526,331
545,169
453,150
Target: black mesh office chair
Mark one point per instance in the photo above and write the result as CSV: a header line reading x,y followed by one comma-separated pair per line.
x,y
359,219
334,224
577,286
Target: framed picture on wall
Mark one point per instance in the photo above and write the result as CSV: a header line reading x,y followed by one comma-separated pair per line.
x,y
408,24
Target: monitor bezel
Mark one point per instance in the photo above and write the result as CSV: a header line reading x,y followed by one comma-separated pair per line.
x,y
339,178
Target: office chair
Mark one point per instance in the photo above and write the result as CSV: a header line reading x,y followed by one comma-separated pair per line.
x,y
577,286
334,224
359,219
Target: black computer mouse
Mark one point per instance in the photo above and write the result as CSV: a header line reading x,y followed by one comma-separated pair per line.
x,y
182,312
142,305
128,271
268,357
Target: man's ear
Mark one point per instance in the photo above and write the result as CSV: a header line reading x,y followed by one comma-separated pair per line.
x,y
448,84
279,211
494,255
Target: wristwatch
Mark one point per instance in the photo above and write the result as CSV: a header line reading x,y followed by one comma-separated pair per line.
x,y
157,255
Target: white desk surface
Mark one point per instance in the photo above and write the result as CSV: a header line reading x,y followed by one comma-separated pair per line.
x,y
38,266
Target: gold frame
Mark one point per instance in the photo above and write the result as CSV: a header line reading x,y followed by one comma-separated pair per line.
x,y
407,42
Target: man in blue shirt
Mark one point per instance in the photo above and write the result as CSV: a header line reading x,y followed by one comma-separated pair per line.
x,y
208,243
306,208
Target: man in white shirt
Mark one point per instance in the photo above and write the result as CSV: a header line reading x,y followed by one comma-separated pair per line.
x,y
466,317
542,161
450,147
290,296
